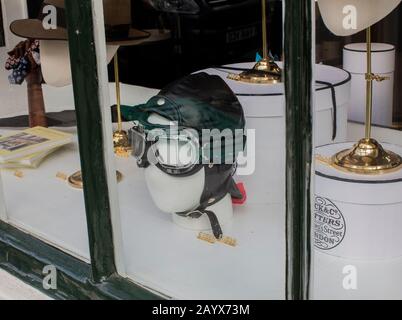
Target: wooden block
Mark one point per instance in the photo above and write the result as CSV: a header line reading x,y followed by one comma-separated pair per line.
x,y
211,239
61,176
206,237
19,174
229,241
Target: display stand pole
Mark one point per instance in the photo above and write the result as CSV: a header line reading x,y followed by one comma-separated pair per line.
x,y
369,86
264,31
118,97
36,104
121,142
266,71
368,156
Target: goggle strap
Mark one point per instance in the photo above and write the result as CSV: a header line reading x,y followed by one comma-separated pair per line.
x,y
213,220
216,227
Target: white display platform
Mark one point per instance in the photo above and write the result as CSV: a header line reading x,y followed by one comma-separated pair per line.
x,y
170,259
158,254
43,205
375,280
383,64
264,108
357,221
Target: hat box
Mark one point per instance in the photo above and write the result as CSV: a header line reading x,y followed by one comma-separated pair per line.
x,y
264,107
357,221
383,64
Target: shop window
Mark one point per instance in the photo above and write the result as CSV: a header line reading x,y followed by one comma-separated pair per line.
x,y
356,211
42,150
193,190
187,230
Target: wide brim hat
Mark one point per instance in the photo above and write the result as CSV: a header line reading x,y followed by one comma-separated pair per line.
x,y
368,13
55,61
117,13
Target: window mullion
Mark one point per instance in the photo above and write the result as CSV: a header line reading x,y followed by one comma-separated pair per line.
x,y
110,163
299,144
91,136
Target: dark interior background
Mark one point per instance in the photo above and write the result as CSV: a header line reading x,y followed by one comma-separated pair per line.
x,y
2,40
200,41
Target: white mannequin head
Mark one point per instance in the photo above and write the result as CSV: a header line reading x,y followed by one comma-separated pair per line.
x,y
181,194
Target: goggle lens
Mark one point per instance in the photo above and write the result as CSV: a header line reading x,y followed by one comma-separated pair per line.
x,y
138,143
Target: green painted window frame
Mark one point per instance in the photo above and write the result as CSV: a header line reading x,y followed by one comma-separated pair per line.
x,y
25,256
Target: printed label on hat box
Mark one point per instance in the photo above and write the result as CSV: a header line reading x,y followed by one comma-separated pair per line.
x,y
329,224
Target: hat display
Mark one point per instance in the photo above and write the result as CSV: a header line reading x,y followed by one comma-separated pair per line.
x,y
117,14
55,62
367,156
197,102
368,13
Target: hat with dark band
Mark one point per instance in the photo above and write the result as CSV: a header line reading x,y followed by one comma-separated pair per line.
x,y
118,27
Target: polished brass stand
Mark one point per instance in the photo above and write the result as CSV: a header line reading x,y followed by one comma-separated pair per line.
x,y
368,156
121,142
265,71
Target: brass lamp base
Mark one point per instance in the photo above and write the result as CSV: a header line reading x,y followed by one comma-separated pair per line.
x,y
121,144
367,157
75,180
264,72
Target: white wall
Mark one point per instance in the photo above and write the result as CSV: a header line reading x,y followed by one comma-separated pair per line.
x,y
13,10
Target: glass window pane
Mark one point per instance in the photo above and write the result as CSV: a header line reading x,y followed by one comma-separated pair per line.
x,y
36,162
173,211
356,214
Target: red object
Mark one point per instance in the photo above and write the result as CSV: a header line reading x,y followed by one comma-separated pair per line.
x,y
243,200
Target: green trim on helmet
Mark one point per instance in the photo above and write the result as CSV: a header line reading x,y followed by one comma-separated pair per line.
x,y
141,113
220,114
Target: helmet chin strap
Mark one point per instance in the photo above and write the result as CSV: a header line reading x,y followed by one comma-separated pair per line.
x,y
218,183
213,219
